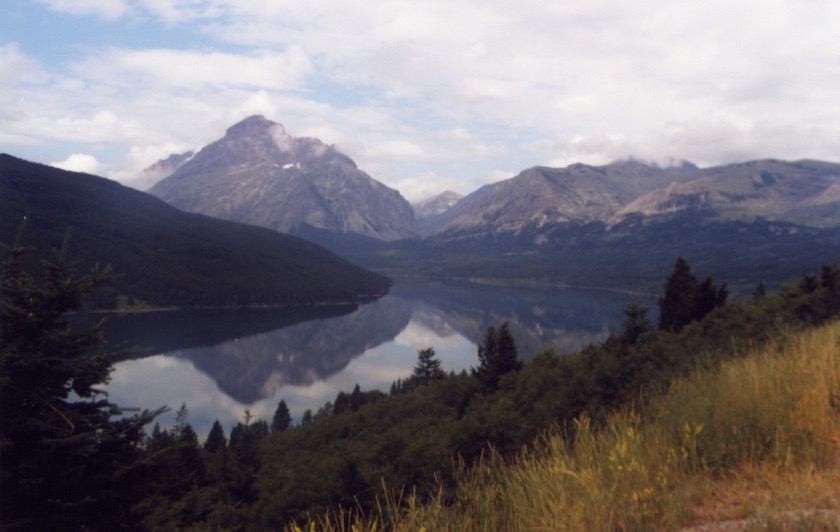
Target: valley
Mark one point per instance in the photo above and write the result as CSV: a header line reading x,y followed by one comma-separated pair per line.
x,y
300,278
617,226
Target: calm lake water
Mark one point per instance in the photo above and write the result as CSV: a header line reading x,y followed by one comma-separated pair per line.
x,y
220,363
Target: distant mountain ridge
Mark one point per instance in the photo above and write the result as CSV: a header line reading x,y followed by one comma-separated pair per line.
x,y
260,175
801,192
616,225
167,257
543,196
622,225
428,212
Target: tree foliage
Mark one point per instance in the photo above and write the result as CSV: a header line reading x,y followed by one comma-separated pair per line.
x,y
428,368
686,300
69,457
408,440
497,356
282,417
216,439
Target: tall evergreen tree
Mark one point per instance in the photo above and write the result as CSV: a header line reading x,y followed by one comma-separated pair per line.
x,y
497,356
686,300
67,456
676,306
282,418
428,368
215,438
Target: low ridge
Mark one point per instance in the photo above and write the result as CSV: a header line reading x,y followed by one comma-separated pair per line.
x,y
165,256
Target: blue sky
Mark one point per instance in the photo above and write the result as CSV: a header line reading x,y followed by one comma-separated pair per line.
x,y
424,96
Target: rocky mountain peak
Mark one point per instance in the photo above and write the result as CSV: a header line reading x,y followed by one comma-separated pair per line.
x,y
437,204
252,125
259,174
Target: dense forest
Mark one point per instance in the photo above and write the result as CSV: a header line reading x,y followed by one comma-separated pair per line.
x,y
71,459
631,255
166,257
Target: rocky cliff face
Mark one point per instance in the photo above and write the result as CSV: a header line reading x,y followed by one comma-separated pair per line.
x,y
540,197
435,205
803,192
260,175
428,212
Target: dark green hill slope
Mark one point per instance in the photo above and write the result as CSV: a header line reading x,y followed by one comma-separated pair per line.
x,y
166,256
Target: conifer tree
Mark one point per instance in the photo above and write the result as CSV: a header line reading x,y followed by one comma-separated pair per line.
x,y
677,303
428,368
307,417
686,300
497,356
215,439
68,456
282,418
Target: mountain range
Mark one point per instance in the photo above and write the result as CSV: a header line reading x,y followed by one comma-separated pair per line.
x,y
619,225
539,199
259,174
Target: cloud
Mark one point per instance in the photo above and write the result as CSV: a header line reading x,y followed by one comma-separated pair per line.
x,y
106,9
79,162
455,91
17,68
188,69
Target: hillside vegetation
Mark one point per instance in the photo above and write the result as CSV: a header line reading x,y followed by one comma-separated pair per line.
x,y
166,257
757,440
656,427
470,452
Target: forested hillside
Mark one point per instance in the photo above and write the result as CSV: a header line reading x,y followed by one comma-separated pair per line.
x,y
165,257
267,474
411,441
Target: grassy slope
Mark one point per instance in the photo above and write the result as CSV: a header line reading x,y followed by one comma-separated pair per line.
x,y
641,464
166,256
758,439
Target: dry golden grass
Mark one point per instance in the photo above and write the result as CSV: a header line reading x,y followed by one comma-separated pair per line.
x,y
759,439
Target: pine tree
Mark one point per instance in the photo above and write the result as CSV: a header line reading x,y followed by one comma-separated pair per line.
x,y
686,300
428,368
282,418
215,439
181,419
68,456
676,306
497,356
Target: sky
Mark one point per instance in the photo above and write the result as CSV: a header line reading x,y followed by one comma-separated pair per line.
x,y
423,96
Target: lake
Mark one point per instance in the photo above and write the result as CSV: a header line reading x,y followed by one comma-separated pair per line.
x,y
221,362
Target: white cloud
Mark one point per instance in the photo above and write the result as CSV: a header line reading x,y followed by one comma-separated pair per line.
x,y
107,9
179,69
421,93
17,68
79,162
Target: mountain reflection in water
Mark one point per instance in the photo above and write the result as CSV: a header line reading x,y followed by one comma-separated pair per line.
x,y
220,363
